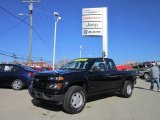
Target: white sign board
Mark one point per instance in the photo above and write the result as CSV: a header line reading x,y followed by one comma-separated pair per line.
x,y
92,32
92,25
91,18
92,21
91,11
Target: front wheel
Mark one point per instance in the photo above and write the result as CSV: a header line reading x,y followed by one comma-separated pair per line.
x,y
127,89
75,100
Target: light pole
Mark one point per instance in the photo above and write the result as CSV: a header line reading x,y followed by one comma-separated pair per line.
x,y
80,54
57,18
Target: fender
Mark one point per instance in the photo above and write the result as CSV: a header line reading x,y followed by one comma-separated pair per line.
x,y
83,82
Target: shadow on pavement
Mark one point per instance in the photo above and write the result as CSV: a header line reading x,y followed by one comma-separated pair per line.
x,y
57,108
144,89
101,96
47,105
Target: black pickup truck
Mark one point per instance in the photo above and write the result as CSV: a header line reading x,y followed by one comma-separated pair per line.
x,y
80,78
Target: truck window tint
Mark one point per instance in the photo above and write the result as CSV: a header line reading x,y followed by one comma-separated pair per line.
x,y
99,66
110,65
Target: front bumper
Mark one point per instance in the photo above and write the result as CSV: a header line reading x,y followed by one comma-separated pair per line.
x,y
44,96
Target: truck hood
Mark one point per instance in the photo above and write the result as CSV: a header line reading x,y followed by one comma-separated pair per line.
x,y
57,72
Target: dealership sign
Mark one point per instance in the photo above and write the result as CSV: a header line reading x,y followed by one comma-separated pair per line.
x,y
92,21
95,23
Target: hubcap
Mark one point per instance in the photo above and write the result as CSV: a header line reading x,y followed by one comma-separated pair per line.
x,y
146,76
129,89
76,100
16,84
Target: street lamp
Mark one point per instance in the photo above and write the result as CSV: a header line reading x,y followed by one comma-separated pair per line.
x,y
80,54
23,14
57,18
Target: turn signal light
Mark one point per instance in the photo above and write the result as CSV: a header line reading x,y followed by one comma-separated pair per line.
x,y
61,78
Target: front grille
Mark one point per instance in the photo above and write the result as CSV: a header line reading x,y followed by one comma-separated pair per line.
x,y
40,82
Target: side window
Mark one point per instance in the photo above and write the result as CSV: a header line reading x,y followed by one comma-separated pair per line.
x,y
1,68
99,66
110,65
8,68
15,69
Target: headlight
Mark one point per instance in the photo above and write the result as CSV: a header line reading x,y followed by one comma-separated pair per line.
x,y
56,78
56,86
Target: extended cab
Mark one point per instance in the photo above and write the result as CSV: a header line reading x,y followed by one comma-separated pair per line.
x,y
80,78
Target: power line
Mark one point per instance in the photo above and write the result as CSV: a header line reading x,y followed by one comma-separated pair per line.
x,y
9,29
69,20
42,31
12,56
17,56
48,22
41,38
13,15
26,24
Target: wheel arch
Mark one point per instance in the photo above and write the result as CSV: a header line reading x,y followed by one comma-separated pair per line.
x,y
81,83
130,78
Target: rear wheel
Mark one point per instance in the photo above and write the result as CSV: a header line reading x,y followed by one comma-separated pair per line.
x,y
17,84
127,89
75,100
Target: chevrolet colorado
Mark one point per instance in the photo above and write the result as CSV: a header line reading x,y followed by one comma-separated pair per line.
x,y
75,81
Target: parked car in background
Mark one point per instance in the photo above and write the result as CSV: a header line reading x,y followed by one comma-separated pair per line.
x,y
38,69
144,73
15,76
47,68
124,67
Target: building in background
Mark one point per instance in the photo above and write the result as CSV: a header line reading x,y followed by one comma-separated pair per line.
x,y
37,64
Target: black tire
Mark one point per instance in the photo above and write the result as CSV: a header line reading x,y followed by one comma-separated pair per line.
x,y
75,100
17,84
146,76
127,89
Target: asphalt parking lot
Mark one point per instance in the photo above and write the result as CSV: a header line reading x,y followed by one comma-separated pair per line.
x,y
143,105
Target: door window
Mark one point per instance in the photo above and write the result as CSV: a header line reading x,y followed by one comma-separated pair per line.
x,y
99,66
110,65
8,68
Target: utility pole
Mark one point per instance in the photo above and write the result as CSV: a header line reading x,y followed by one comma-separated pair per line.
x,y
31,26
14,57
41,59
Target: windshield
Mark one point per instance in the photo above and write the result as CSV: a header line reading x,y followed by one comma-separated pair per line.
x,y
76,64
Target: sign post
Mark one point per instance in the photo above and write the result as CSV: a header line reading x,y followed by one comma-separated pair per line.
x,y
94,23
